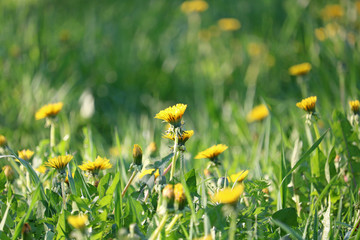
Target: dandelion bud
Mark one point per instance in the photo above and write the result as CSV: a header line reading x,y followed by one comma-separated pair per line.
x,y
222,182
2,141
137,154
179,196
9,172
26,231
168,192
355,106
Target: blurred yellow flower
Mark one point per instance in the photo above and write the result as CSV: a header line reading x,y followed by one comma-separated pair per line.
x,y
114,151
320,34
229,24
59,162
9,172
254,49
99,164
186,135
308,104
25,154
168,192
49,110
152,148
228,195
358,6
258,113
212,152
207,237
194,6
137,154
149,172
41,169
300,69
332,11
78,222
354,106
172,114
179,193
240,176
2,140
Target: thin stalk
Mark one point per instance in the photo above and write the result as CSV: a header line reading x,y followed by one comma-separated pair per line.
x,y
300,81
167,169
173,161
232,229
129,183
317,134
172,223
159,228
52,137
63,193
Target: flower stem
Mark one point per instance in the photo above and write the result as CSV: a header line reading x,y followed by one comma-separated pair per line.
x,y
173,161
172,223
129,183
157,231
63,193
52,137
232,229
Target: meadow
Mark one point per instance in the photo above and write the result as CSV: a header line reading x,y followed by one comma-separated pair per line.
x,y
179,119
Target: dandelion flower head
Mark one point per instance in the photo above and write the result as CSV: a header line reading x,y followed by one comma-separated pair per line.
x,y
212,152
49,110
240,176
228,195
332,11
300,69
59,162
307,104
78,222
229,24
41,169
25,154
258,113
172,114
149,172
179,193
194,6
99,164
354,106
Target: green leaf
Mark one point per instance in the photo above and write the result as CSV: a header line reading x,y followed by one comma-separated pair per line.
x,y
71,180
2,181
103,185
287,229
113,185
287,216
61,226
105,201
190,179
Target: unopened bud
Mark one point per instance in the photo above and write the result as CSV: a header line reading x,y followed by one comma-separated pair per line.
x,y
179,196
137,154
2,141
9,172
26,231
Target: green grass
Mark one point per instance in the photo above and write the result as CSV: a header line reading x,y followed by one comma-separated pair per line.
x,y
127,60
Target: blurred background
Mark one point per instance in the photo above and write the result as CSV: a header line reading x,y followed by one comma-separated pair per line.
x,y
115,64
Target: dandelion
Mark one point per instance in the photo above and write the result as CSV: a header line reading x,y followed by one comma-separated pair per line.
x,y
229,24
307,104
300,69
99,164
172,114
3,141
186,135
212,153
78,222
179,196
254,49
320,34
49,110
25,154
9,172
258,113
168,193
149,172
59,162
239,177
41,169
137,154
194,6
332,11
207,237
228,195
354,106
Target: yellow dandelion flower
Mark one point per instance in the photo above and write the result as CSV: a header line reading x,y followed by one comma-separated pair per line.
x,y
67,177
49,110
254,49
99,164
41,169
258,113
240,176
332,11
354,106
229,24
207,237
172,114
300,69
78,222
59,162
228,195
2,140
320,34
186,135
149,172
194,6
179,193
307,104
212,152
25,154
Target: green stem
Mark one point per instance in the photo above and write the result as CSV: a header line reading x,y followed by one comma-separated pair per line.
x,y
317,134
300,81
52,137
232,229
172,223
159,228
63,193
129,183
173,161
